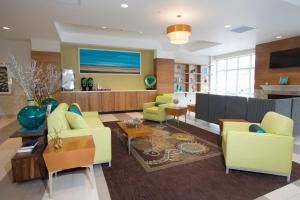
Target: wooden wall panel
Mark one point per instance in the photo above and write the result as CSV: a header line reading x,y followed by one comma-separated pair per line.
x,y
120,101
82,100
131,101
95,100
46,58
164,71
67,97
264,74
108,101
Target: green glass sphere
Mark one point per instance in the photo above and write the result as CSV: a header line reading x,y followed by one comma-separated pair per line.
x,y
50,101
31,117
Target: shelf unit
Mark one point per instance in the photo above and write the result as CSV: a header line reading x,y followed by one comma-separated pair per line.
x,y
190,77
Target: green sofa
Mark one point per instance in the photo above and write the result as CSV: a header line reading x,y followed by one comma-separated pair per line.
x,y
157,113
101,134
270,152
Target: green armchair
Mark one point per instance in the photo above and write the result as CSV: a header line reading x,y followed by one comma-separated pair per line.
x,y
270,152
157,113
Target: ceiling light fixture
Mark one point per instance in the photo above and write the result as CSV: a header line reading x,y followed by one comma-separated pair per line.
x,y
227,26
124,5
5,28
103,27
179,33
140,32
278,37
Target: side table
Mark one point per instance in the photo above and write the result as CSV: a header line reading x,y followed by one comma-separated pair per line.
x,y
221,124
30,165
75,152
176,111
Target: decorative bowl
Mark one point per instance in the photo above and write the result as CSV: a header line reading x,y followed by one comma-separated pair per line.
x,y
133,123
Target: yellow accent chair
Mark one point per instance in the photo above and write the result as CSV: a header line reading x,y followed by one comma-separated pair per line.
x,y
155,111
101,135
269,152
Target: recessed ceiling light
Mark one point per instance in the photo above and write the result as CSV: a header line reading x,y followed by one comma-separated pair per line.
x,y
124,5
6,28
140,32
227,26
103,27
278,37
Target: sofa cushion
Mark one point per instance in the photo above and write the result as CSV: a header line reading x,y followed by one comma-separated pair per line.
x,y
57,119
153,109
93,122
75,109
76,121
164,99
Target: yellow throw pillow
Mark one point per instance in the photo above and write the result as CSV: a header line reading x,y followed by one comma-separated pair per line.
x,y
76,121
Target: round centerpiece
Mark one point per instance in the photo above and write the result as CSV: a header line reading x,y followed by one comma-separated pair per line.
x,y
133,123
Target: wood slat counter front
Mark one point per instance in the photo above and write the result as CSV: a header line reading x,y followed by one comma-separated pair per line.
x,y
109,101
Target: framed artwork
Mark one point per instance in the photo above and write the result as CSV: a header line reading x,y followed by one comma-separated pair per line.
x,y
109,61
5,80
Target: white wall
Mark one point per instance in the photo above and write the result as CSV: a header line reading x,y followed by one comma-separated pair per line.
x,y
45,45
21,49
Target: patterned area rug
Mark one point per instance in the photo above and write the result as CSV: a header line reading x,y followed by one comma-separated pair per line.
x,y
170,146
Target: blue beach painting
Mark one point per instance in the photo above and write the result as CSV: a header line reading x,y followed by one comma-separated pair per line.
x,y
109,62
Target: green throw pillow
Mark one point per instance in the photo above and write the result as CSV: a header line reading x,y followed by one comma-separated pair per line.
x,y
256,129
75,109
76,121
158,103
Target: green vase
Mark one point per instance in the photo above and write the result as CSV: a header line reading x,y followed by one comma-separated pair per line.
x,y
49,101
31,117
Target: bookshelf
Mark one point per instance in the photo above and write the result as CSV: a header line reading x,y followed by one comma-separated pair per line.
x,y
190,77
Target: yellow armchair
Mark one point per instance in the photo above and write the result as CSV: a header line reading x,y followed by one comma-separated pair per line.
x,y
270,152
157,113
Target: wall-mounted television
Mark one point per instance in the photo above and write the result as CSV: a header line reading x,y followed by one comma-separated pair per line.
x,y
286,58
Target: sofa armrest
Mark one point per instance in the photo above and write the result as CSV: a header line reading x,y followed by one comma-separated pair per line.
x,y
90,114
252,150
236,126
148,105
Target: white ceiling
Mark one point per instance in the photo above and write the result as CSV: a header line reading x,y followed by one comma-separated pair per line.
x,y
30,19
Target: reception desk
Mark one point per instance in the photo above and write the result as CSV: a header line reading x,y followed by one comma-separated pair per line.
x,y
109,101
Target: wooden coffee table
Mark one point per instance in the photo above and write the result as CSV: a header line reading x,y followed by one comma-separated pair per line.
x,y
131,133
221,124
76,152
176,111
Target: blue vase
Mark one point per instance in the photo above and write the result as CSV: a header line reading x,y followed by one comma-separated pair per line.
x,y
50,101
31,117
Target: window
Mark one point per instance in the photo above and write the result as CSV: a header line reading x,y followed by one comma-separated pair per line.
x,y
234,75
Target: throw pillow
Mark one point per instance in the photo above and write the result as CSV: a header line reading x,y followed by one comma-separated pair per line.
x,y
158,103
75,109
76,121
255,128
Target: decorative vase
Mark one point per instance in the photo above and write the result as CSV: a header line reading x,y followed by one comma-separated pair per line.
x,y
31,116
90,83
83,83
49,101
150,81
